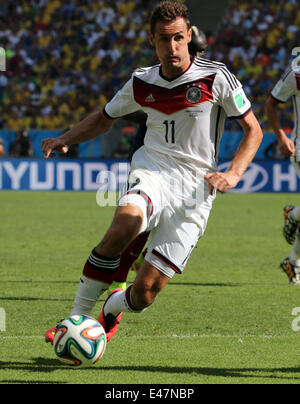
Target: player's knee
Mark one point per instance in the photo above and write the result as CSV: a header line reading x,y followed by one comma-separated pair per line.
x,y
138,208
124,233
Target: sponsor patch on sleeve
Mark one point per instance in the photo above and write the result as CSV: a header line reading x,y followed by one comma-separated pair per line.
x,y
240,100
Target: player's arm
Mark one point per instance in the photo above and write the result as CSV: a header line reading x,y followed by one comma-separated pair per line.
x,y
248,147
88,129
286,145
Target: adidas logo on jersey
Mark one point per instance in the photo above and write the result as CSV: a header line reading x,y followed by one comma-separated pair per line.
x,y
150,98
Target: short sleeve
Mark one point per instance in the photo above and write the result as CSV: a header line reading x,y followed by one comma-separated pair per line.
x,y
286,87
123,102
231,95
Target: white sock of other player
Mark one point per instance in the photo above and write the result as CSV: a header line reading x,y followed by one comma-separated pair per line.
x,y
121,302
88,293
296,213
295,254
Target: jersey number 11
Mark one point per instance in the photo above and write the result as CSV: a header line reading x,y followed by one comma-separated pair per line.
x,y
168,124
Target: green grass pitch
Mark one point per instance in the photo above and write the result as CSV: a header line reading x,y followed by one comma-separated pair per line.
x,y
227,319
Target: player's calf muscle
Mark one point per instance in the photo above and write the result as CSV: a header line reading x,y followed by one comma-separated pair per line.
x,y
143,297
147,286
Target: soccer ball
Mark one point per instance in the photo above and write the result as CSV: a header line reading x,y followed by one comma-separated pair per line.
x,y
79,341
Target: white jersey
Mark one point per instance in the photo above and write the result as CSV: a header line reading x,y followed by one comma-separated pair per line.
x,y
289,86
186,115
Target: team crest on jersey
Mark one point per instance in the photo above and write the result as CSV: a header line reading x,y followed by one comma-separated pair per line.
x,y
194,95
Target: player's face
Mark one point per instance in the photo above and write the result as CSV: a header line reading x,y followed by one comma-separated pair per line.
x,y
171,43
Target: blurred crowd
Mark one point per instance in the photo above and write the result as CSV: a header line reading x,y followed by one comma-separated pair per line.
x,y
255,41
66,59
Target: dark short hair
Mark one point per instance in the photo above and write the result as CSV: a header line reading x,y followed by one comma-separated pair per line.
x,y
167,11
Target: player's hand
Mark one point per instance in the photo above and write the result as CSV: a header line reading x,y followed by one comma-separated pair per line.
x,y
286,146
53,145
221,182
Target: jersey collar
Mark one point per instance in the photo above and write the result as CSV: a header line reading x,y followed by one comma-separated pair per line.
x,y
177,77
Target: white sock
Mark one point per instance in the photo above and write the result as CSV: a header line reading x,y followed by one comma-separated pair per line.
x,y
120,302
296,213
295,254
87,295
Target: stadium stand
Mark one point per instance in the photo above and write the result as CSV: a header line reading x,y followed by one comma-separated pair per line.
x,y
255,41
65,60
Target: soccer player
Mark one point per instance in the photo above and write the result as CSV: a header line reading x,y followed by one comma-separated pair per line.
x,y
130,257
174,178
288,86
198,44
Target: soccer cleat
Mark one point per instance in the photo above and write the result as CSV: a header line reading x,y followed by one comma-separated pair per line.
x,y
291,270
135,267
110,323
50,334
117,285
290,225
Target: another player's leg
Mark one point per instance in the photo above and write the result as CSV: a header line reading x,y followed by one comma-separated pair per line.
x,y
292,270
135,299
291,223
103,262
291,264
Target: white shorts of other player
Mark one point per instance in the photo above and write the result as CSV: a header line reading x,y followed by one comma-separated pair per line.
x,y
295,160
176,211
